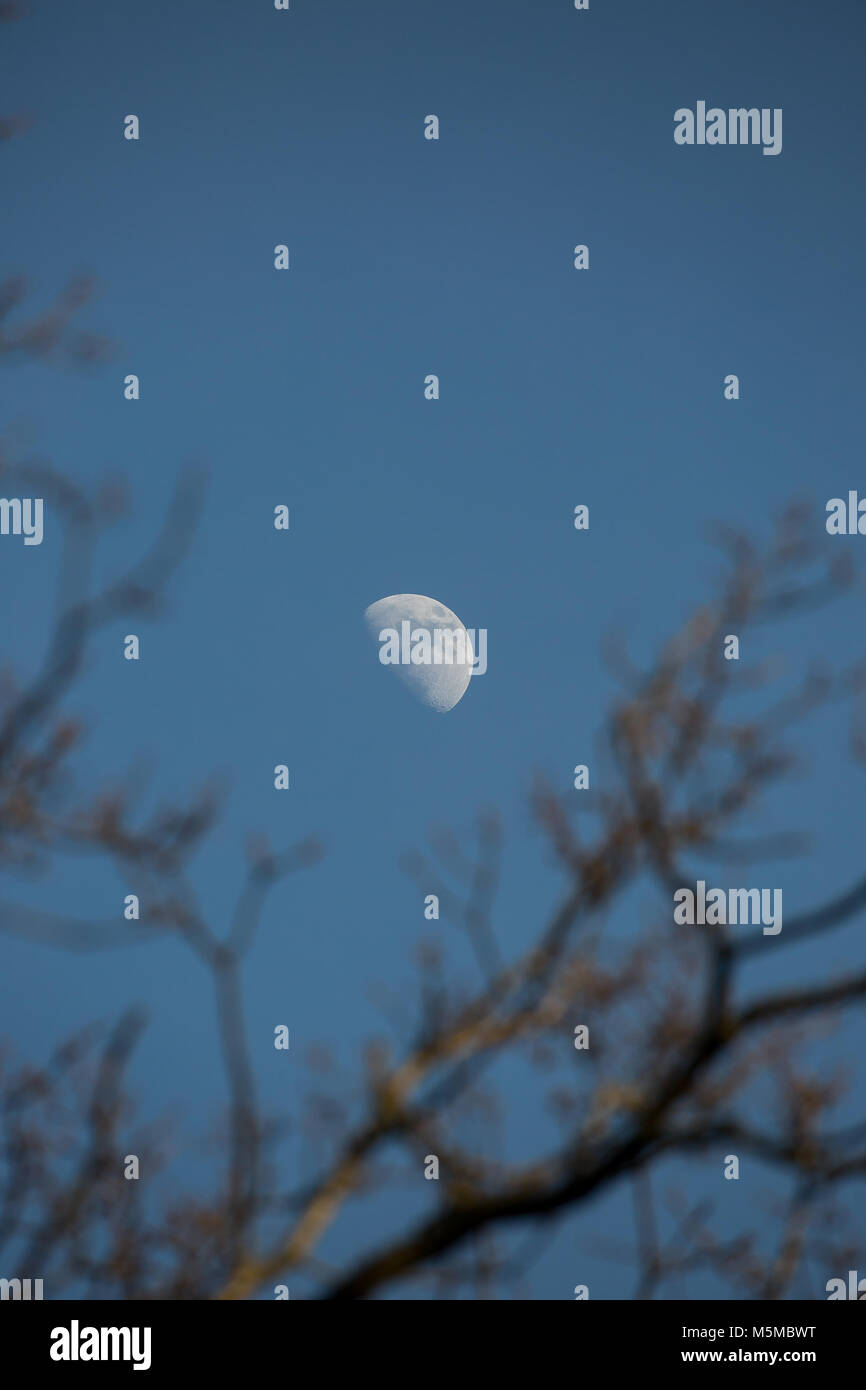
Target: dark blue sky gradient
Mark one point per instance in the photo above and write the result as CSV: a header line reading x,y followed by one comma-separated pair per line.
x,y
411,257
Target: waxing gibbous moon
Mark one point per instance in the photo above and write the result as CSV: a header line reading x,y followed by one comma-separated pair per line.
x,y
437,684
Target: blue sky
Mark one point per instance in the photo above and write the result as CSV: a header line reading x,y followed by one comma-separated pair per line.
x,y
411,257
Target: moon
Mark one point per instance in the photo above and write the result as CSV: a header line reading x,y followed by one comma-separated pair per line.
x,y
437,684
